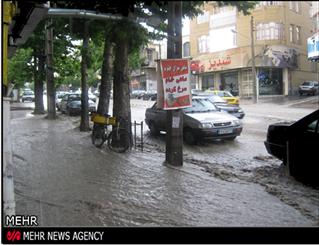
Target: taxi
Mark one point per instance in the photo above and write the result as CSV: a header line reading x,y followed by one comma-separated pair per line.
x,y
226,95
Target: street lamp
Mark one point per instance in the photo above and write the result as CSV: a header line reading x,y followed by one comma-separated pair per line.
x,y
253,66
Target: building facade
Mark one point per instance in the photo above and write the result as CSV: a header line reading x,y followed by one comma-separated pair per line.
x,y
145,78
220,45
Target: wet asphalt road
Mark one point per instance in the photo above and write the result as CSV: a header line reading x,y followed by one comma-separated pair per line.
x,y
63,179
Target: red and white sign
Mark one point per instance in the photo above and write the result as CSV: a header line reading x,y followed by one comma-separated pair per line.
x,y
176,83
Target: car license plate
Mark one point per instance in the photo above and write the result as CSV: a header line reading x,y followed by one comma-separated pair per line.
x,y
225,131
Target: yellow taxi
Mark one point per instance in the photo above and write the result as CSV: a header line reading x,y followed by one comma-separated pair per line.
x,y
226,95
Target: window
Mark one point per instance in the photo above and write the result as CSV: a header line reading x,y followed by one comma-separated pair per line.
x,y
149,55
269,3
295,34
202,18
291,33
294,6
223,18
313,127
298,37
270,31
203,44
186,49
314,67
224,9
227,42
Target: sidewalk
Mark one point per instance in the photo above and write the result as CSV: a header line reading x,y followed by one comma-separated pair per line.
x,y
294,100
64,180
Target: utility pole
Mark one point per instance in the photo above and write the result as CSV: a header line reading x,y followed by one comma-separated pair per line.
x,y
174,135
255,84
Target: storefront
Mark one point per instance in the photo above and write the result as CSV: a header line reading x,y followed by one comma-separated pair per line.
x,y
207,81
229,82
270,81
231,70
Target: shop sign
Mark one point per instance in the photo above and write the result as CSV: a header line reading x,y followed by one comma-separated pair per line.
x,y
176,83
218,63
215,63
279,56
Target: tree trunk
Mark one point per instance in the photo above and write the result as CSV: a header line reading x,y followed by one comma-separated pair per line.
x,y
105,87
50,77
121,92
38,82
84,126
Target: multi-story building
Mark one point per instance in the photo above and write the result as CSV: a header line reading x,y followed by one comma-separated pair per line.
x,y
220,45
145,78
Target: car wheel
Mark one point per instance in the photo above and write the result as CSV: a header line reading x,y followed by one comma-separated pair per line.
x,y
231,138
68,112
189,137
153,129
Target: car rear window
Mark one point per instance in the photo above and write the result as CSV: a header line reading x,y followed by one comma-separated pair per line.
x,y
74,97
200,105
307,83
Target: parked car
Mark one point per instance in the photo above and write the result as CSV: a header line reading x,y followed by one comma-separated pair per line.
x,y
196,91
226,95
58,98
202,120
138,93
150,95
92,96
309,88
71,104
296,144
97,93
27,95
222,104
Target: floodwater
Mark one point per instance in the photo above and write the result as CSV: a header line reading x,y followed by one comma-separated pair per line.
x,y
64,180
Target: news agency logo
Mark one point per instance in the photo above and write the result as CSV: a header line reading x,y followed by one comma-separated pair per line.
x,y
13,235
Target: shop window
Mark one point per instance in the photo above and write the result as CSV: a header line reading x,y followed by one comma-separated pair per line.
x,y
207,82
229,82
270,81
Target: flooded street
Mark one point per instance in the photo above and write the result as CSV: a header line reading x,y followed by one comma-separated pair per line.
x,y
64,180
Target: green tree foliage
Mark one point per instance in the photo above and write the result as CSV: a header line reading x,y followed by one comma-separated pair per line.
x,y
20,68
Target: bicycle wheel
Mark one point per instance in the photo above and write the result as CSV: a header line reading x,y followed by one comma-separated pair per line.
x,y
98,135
119,140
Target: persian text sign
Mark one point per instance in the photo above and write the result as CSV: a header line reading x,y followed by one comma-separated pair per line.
x,y
176,83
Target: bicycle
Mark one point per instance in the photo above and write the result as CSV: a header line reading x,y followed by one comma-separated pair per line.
x,y
118,139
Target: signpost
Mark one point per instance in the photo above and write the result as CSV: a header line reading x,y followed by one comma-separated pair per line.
x,y
176,83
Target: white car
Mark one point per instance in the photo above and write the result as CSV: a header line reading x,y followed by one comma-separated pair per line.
x,y
58,97
28,95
